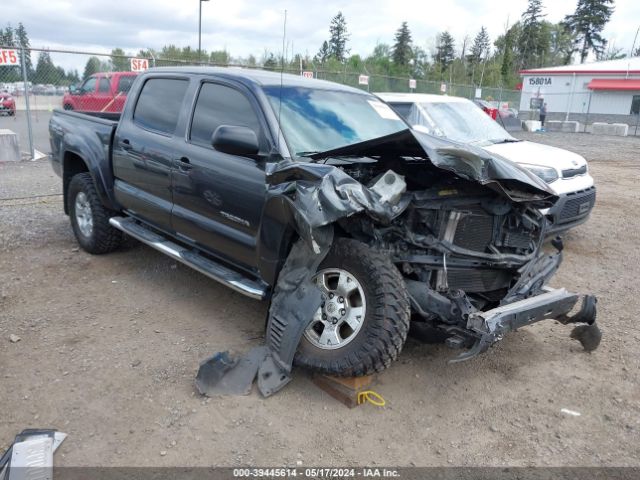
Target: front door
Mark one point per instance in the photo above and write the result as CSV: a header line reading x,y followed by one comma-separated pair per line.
x,y
218,198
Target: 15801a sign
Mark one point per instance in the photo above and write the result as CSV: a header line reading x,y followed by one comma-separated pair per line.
x,y
539,81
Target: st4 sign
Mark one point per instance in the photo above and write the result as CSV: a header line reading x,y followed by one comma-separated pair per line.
x,y
139,64
8,56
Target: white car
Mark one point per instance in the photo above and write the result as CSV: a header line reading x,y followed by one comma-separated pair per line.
x,y
461,120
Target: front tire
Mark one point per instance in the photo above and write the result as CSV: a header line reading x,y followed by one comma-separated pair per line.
x,y
363,323
89,218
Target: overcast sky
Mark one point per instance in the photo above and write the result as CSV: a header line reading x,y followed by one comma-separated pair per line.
x,y
246,27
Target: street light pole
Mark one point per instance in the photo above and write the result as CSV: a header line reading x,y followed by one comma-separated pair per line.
x,y
200,29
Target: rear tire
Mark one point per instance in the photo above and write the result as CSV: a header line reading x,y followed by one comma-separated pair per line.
x,y
89,218
376,341
66,106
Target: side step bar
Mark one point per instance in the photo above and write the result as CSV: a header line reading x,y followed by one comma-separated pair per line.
x,y
191,258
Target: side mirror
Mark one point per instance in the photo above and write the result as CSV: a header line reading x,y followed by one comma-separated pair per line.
x,y
235,140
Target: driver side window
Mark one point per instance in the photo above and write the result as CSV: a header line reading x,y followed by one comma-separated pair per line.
x,y
89,85
220,105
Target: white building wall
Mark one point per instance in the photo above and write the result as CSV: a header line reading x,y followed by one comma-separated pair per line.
x,y
568,92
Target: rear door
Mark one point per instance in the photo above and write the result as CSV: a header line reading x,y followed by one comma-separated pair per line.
x,y
144,149
218,198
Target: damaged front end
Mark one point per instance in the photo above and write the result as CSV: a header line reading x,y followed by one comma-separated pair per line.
x,y
465,230
462,226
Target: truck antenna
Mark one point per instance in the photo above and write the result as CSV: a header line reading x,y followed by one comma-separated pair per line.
x,y
284,36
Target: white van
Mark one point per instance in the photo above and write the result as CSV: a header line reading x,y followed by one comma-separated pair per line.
x,y
461,120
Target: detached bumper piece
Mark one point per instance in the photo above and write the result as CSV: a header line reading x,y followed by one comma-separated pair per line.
x,y
489,327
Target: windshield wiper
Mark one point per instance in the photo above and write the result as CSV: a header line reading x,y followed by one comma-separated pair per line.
x,y
307,154
504,140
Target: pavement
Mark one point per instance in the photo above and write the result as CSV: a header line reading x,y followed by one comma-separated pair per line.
x,y
39,125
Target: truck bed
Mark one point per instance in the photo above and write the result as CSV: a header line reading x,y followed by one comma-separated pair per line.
x,y
89,136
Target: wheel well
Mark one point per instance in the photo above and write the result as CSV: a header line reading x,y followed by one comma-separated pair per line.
x,y
72,165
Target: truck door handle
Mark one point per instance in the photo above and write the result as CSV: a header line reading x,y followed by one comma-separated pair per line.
x,y
183,164
125,144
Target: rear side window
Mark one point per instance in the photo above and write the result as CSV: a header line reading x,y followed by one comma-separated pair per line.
x,y
124,84
104,86
159,104
220,105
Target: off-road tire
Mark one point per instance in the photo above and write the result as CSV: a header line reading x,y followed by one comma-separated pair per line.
x,y
386,323
104,238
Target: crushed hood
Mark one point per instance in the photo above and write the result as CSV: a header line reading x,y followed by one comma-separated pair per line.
x,y
465,161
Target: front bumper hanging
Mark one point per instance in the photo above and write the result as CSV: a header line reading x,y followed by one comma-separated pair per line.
x,y
489,327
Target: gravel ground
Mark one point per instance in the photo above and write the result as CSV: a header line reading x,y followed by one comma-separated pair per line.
x,y
109,346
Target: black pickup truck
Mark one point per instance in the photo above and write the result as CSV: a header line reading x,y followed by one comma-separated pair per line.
x,y
319,198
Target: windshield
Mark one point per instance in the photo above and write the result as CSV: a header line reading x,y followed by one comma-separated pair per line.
x,y
459,121
316,120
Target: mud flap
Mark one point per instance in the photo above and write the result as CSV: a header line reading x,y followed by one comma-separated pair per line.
x,y
294,302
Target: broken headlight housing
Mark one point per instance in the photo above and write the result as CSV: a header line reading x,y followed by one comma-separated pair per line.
x,y
547,174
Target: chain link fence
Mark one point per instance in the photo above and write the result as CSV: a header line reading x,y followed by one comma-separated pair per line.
x,y
34,82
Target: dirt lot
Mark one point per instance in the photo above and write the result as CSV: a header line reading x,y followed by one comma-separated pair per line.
x,y
110,346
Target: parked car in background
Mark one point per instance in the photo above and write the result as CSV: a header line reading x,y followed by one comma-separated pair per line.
x,y
7,104
101,92
459,119
487,108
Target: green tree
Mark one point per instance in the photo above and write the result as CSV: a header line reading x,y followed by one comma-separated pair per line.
x,y
480,48
323,53
613,53
532,44
338,38
402,52
445,50
587,23
220,57
94,65
119,62
22,40
560,44
269,61
72,76
46,71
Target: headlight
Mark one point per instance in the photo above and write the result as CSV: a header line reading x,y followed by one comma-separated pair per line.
x,y
547,174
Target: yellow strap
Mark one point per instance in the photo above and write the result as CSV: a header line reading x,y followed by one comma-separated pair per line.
x,y
372,397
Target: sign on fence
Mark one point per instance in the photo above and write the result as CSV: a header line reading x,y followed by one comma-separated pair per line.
x,y
8,56
139,64
478,93
443,88
363,80
412,83
307,74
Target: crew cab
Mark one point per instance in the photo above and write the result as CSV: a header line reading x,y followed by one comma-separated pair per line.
x,y
458,119
319,198
100,92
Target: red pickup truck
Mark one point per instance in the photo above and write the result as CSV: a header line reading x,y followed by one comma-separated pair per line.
x,y
101,92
